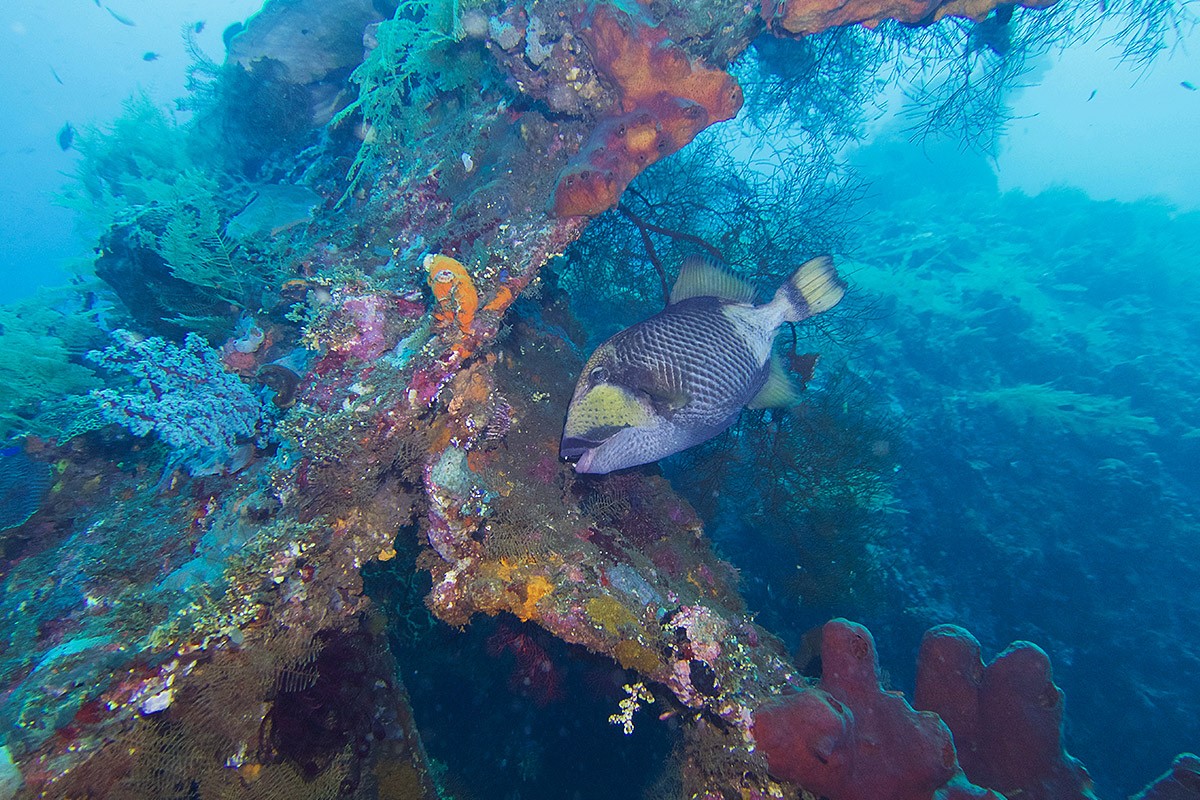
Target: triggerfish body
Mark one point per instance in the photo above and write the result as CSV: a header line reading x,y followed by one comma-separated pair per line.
x,y
684,375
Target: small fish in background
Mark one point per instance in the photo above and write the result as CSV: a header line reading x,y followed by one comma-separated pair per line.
x,y
198,27
684,375
150,55
119,18
1090,96
66,136
57,79
1191,87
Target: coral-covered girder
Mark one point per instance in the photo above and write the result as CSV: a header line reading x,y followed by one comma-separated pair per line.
x,y
163,606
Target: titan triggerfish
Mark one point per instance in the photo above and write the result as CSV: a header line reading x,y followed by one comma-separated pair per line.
x,y
683,376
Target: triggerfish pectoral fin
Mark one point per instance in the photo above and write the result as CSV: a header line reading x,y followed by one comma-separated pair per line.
x,y
779,391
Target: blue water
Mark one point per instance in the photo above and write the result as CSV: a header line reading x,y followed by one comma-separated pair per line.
x,y
1002,429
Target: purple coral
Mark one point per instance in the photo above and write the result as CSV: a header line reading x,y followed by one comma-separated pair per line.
x,y
208,417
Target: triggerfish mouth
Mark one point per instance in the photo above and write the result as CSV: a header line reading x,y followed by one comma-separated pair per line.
x,y
684,375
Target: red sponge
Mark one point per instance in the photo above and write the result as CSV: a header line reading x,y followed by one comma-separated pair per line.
x,y
851,740
1006,717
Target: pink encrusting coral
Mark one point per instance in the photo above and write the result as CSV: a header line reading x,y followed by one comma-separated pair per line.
x,y
367,318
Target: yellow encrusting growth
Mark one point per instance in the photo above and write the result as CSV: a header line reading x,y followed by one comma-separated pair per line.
x,y
505,568
637,657
609,614
537,588
638,694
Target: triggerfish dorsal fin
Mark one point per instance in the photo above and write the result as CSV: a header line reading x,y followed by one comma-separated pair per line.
x,y
704,276
778,391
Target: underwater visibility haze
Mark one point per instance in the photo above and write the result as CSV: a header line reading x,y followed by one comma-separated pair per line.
x,y
549,399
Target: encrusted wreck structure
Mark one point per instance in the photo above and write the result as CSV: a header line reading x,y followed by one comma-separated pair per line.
x,y
189,619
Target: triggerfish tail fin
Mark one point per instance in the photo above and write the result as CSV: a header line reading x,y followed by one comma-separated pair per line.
x,y
814,288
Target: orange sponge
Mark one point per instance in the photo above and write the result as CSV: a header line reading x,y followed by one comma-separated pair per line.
x,y
666,98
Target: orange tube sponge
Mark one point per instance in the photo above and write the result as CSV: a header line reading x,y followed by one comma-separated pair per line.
x,y
453,290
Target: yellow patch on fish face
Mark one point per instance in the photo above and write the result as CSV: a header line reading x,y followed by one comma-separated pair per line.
x,y
605,406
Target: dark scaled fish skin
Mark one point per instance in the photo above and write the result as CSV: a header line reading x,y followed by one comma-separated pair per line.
x,y
692,365
683,376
